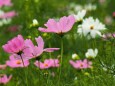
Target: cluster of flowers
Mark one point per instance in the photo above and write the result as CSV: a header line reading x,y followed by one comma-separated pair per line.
x,y
6,17
22,51
88,27
74,8
85,63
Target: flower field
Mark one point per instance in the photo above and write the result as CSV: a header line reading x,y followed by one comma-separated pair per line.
x,y
57,43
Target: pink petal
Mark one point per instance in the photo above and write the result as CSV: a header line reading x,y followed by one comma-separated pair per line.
x,y
50,49
68,23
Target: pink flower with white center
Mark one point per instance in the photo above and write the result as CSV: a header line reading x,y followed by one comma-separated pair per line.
x,y
5,3
79,64
15,63
48,63
8,14
3,66
4,79
35,51
15,45
64,25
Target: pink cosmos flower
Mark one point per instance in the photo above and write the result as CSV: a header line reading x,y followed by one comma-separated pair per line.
x,y
4,79
102,1
3,66
79,64
8,14
5,3
108,20
108,36
14,28
48,63
14,62
35,51
62,26
16,45
113,14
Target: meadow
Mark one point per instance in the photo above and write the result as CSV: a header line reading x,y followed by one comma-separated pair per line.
x,y
57,43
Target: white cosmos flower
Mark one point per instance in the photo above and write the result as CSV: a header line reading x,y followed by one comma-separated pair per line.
x,y
5,21
90,7
91,53
1,23
1,12
80,15
91,27
78,7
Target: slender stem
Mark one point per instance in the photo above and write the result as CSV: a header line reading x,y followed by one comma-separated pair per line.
x,y
39,73
24,70
61,62
22,60
61,50
50,52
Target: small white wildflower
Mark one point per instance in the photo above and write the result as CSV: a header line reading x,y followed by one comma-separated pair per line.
x,y
104,68
1,23
80,15
1,12
75,56
75,78
91,53
6,21
35,22
78,7
90,7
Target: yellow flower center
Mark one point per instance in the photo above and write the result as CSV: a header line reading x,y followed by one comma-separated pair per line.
x,y
45,65
18,62
92,27
81,65
1,75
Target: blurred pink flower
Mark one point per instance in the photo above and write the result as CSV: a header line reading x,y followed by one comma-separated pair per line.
x,y
14,28
5,3
48,63
4,79
15,45
108,36
102,1
8,14
53,74
108,20
62,26
35,51
79,64
14,62
3,66
113,14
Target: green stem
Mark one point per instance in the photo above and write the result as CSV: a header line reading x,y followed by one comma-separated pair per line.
x,y
24,70
61,62
50,52
61,50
